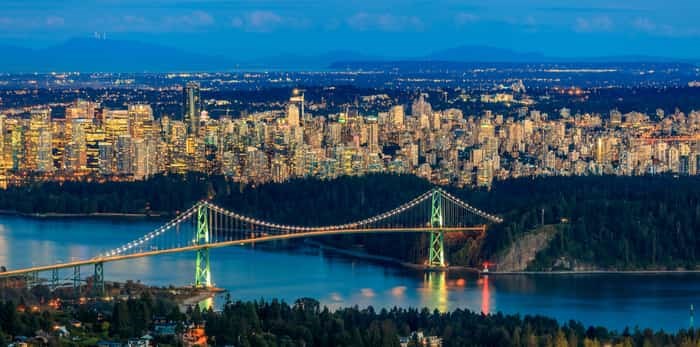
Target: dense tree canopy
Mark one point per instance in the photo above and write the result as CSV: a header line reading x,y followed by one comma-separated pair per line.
x,y
610,222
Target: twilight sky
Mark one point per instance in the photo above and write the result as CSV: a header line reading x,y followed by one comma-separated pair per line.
x,y
390,28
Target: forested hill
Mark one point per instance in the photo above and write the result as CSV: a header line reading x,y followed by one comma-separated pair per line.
x,y
601,221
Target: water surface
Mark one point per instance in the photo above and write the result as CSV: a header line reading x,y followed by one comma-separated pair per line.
x,y
658,301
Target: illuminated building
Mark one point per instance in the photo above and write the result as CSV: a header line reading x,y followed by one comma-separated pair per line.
x,y
38,140
396,116
94,137
116,123
373,135
123,154
17,145
106,156
140,120
76,149
81,109
192,106
3,164
292,115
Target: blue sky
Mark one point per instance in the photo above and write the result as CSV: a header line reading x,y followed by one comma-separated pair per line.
x,y
257,28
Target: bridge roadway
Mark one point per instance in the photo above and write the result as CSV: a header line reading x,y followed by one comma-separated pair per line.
x,y
265,238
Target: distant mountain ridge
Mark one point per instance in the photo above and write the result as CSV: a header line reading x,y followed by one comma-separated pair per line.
x,y
483,54
94,55
98,55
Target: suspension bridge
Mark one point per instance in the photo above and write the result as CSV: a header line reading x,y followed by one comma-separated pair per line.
x,y
206,226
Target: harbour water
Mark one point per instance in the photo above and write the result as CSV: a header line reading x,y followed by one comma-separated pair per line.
x,y
659,301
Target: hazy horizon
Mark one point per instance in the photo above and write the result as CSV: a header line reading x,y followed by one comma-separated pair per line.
x,y
395,29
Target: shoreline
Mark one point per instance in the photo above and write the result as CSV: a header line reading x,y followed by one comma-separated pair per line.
x,y
57,215
394,261
596,272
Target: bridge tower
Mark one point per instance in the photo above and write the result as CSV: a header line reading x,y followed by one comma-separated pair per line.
x,y
437,251
54,280
99,280
202,276
76,281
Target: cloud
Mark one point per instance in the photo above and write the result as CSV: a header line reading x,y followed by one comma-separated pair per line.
x,y
644,24
593,24
55,21
648,26
32,23
367,292
363,21
266,21
463,18
194,19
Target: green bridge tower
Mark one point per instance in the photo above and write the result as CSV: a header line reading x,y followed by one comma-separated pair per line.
x,y
202,276
437,251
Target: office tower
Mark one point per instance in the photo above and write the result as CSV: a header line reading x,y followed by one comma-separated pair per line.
x,y
106,155
38,151
600,150
124,154
192,107
298,97
94,137
292,115
116,123
58,143
140,159
373,135
3,165
334,134
76,149
396,116
420,107
140,120
80,109
17,141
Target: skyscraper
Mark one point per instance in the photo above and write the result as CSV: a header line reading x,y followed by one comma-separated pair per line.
x,y
192,107
39,141
292,115
396,116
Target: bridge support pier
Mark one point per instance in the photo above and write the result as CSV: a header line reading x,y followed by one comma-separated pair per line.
x,y
436,255
76,281
202,275
99,280
437,250
54,279
31,279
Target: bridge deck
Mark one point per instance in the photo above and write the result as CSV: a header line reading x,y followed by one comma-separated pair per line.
x,y
264,238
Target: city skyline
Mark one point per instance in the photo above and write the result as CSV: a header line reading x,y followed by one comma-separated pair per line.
x,y
445,146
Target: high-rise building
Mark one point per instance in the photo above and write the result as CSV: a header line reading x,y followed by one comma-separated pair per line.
x,y
140,120
396,116
80,109
116,123
3,165
38,153
373,135
76,149
106,155
293,115
124,154
421,107
192,107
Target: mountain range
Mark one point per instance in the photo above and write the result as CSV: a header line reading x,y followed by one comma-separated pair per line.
x,y
99,55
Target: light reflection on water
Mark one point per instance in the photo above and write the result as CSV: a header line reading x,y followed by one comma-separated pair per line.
x,y
434,292
614,301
